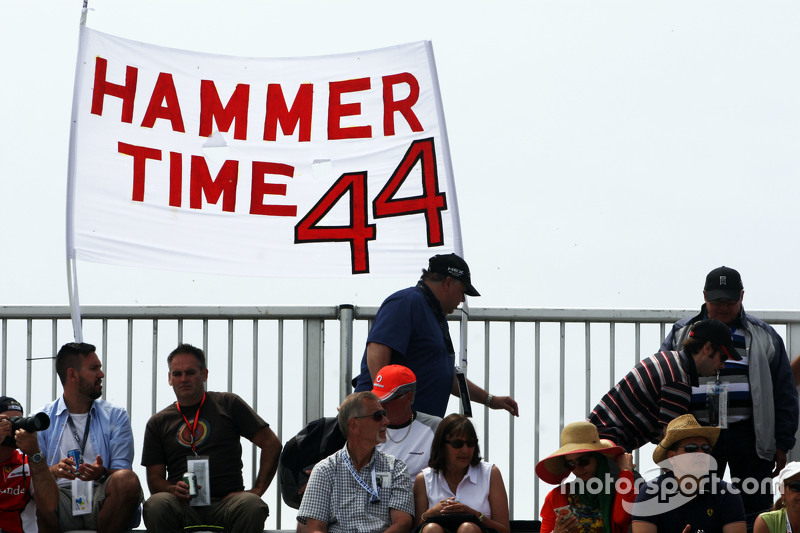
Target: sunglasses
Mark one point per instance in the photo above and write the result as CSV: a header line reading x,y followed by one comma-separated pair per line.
x,y
794,486
580,461
694,448
377,416
459,443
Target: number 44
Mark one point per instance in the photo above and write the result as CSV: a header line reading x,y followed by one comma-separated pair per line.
x,y
358,233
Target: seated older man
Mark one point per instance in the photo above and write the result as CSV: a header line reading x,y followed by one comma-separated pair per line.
x,y
689,497
359,488
410,433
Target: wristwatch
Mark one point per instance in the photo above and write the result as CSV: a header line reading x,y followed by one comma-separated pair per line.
x,y
489,399
36,458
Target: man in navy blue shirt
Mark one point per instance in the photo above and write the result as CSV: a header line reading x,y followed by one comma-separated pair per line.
x,y
411,329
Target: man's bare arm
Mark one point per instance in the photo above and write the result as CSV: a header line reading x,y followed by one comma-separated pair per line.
x,y
401,522
478,395
270,453
314,526
157,482
378,356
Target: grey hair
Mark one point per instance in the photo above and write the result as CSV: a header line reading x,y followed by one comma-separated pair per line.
x,y
353,406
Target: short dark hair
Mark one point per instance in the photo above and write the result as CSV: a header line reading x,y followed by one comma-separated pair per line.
x,y
693,345
69,356
452,425
190,350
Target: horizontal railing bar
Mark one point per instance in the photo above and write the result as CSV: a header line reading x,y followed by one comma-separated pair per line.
x,y
173,312
477,314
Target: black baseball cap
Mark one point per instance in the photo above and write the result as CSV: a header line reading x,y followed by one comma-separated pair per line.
x,y
455,267
723,283
7,403
716,332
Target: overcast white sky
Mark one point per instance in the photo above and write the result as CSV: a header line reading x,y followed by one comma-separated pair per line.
x,y
606,154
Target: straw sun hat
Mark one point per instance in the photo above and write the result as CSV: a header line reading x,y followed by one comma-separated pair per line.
x,y
680,428
578,437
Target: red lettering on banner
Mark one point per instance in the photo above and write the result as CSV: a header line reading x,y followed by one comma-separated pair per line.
x,y
294,116
337,110
211,110
140,155
102,87
175,178
164,91
390,105
300,113
201,183
260,188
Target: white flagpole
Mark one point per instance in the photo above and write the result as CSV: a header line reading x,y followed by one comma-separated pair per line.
x,y
72,270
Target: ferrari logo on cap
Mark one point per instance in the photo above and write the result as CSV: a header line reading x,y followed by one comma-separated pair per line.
x,y
723,280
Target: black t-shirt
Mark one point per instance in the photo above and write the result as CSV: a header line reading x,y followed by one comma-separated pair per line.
x,y
224,418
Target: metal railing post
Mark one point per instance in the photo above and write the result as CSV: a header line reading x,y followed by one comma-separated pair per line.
x,y
346,318
313,365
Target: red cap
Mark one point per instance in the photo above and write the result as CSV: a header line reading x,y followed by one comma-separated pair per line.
x,y
393,381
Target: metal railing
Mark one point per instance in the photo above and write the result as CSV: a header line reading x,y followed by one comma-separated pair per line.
x,y
294,364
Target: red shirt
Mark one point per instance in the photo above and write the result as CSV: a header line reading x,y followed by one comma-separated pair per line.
x,y
16,516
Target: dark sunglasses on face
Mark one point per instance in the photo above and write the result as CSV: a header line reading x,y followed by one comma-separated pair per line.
x,y
459,443
694,448
794,486
580,461
377,416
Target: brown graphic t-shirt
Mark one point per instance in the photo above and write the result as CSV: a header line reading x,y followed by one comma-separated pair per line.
x,y
224,417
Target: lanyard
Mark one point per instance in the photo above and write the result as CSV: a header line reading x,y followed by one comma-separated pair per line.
x,y
192,427
81,442
373,491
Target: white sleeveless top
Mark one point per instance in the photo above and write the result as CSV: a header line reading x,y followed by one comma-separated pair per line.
x,y
472,491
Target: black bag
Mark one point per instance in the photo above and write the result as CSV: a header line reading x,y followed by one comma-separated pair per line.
x,y
315,442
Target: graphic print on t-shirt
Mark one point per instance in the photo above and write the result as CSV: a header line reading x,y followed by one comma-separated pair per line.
x,y
201,434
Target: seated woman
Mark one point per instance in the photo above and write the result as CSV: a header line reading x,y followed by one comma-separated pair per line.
x,y
458,492
776,521
590,503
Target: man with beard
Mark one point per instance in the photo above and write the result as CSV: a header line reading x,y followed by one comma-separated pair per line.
x,y
81,421
359,488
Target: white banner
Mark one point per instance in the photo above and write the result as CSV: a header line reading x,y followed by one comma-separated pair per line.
x,y
325,166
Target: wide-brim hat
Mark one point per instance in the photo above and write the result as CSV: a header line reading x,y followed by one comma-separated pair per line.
x,y
578,437
680,428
